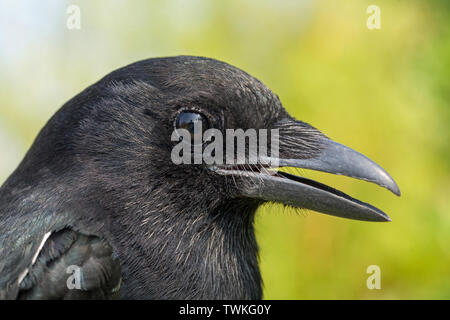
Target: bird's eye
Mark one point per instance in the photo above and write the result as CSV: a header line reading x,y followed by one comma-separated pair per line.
x,y
189,120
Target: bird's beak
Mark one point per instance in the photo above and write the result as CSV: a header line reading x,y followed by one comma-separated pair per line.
x,y
305,193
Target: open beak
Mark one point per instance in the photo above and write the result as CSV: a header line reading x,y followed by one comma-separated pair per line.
x,y
308,194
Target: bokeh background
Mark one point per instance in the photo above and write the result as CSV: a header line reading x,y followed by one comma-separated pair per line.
x,y
384,92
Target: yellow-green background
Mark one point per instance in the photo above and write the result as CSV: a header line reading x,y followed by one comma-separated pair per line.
x,y
383,92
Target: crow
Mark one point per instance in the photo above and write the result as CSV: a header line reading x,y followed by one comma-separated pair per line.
x,y
98,210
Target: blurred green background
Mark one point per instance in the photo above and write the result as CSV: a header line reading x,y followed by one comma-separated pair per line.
x,y
385,93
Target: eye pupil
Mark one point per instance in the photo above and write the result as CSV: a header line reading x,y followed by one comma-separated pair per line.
x,y
189,119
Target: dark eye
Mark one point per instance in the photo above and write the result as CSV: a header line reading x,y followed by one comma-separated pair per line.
x,y
189,119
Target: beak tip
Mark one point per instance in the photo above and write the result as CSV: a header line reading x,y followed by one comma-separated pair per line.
x,y
383,179
396,190
393,187
382,218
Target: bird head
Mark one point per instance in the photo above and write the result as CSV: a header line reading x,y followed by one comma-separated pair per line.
x,y
146,104
109,161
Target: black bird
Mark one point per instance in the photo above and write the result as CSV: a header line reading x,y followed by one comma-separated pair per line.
x,y
97,209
